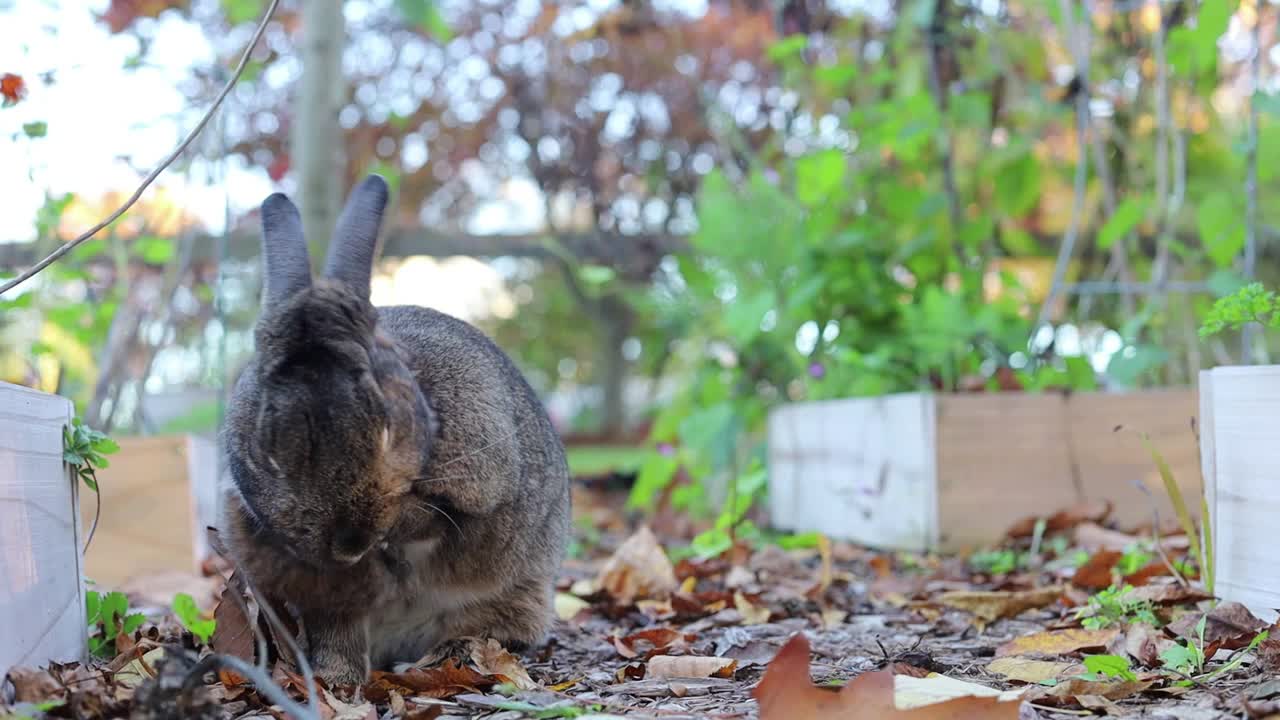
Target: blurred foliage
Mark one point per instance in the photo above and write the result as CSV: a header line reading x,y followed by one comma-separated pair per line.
x,y
1251,303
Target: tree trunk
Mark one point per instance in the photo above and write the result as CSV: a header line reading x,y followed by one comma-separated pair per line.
x,y
615,319
316,137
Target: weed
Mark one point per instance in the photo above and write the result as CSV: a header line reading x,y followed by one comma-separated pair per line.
x,y
188,613
1113,606
108,618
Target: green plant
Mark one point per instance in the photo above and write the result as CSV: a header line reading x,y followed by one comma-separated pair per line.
x,y
108,618
32,711
188,613
1135,557
84,449
1108,666
1114,606
998,562
1187,658
1252,303
1201,543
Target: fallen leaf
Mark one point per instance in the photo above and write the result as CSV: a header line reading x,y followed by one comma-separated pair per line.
x,y
737,577
638,569
491,658
1168,594
833,618
1031,671
662,639
992,606
1055,643
347,711
1095,574
33,686
933,688
1229,626
232,631
1092,511
824,570
568,606
1093,537
1145,575
787,693
1144,643
445,681
1067,693
12,88
690,666
881,565
751,614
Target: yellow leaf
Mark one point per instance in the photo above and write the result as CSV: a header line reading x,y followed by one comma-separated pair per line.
x,y
688,666
1032,671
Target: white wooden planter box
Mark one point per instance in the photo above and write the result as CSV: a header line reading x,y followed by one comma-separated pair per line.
x,y
158,495
1240,450
42,614
922,472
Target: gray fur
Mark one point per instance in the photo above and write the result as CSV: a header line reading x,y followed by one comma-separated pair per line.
x,y
395,478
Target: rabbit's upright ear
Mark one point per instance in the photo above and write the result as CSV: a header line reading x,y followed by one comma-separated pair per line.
x,y
286,265
356,236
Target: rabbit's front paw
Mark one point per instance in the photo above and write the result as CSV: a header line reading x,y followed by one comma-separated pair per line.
x,y
339,651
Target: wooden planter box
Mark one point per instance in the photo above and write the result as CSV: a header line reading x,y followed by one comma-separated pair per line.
x,y
1239,426
926,472
158,494
42,613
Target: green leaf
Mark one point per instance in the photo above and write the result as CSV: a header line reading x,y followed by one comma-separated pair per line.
x,y
1178,657
154,250
655,475
787,47
819,175
1221,229
1126,218
596,274
425,15
184,607
36,129
1267,103
742,320
1018,184
132,623
1211,23
92,607
1112,666
241,11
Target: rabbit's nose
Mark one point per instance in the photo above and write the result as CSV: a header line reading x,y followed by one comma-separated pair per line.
x,y
350,544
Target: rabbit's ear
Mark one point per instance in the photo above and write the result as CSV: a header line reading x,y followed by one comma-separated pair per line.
x,y
356,236
286,266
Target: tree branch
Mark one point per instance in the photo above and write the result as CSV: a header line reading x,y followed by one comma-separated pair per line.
x,y
235,76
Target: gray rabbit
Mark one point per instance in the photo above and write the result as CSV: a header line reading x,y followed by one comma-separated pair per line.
x,y
394,477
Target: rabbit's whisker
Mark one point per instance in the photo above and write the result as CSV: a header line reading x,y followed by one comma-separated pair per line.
x,y
482,448
442,512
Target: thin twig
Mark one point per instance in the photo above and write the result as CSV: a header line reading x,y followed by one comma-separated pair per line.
x,y
1155,534
97,514
226,90
260,680
282,632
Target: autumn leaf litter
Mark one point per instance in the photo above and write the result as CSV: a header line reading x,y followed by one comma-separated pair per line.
x,y
830,631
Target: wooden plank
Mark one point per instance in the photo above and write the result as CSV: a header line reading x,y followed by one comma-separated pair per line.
x,y
859,469
42,592
146,526
1001,457
1113,464
1208,468
1246,460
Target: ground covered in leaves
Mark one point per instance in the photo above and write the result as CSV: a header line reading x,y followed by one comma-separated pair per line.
x,y
1068,616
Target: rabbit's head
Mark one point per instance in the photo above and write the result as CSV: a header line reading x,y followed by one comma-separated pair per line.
x,y
328,428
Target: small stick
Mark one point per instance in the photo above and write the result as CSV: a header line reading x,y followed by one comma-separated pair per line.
x,y
71,245
1155,533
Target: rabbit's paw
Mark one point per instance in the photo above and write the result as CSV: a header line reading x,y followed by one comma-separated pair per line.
x,y
457,650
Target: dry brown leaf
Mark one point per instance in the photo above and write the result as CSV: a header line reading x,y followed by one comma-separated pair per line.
x,y
339,710
1032,671
751,614
662,639
33,686
491,658
445,681
1144,643
1055,643
1145,575
233,633
1093,511
1229,626
833,618
1093,537
1067,693
1169,594
638,569
690,666
787,693
1095,574
992,606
